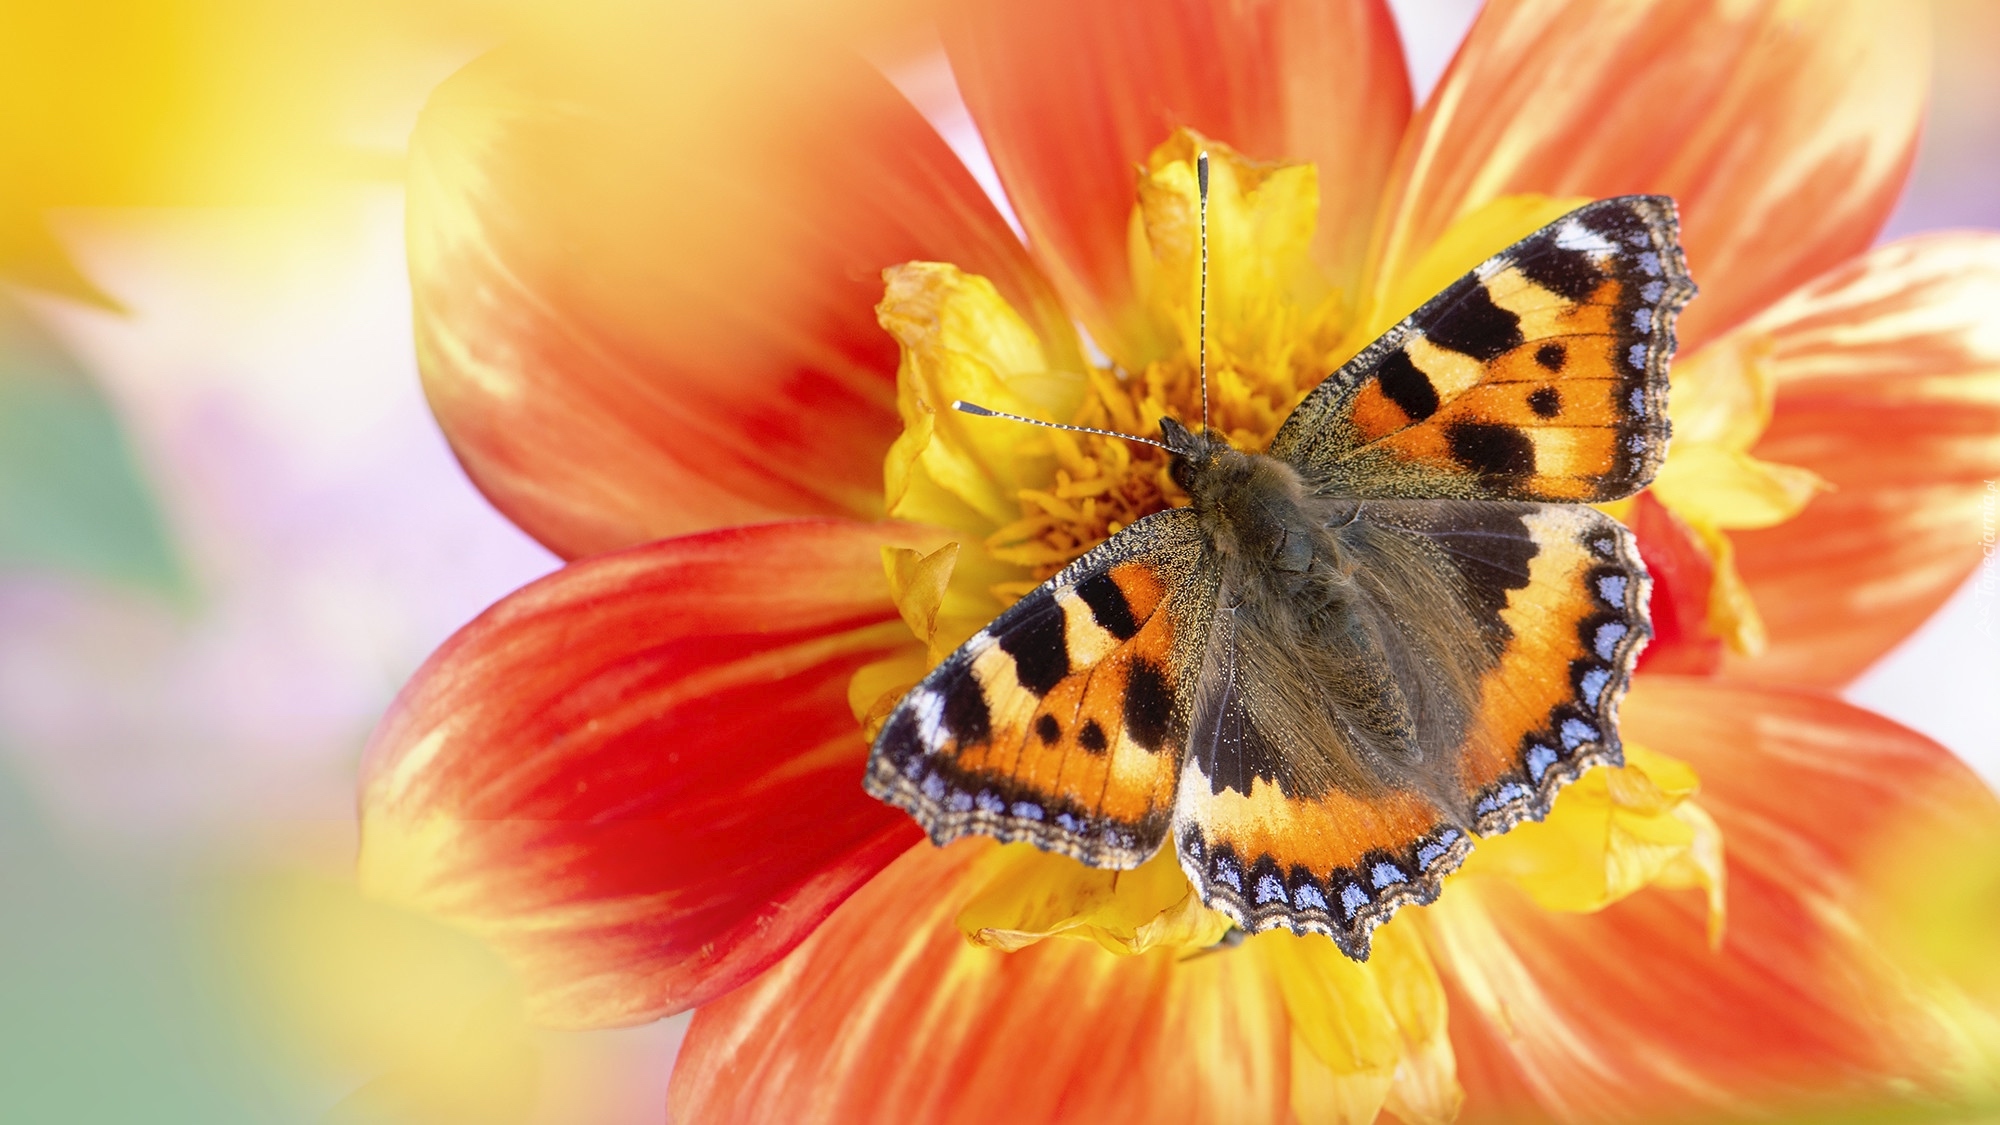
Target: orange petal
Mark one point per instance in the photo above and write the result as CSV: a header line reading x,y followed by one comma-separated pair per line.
x,y
1070,98
645,278
1888,377
1782,129
888,1014
639,778
1629,1011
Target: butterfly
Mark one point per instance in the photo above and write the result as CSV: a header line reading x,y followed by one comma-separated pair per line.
x,y
1398,628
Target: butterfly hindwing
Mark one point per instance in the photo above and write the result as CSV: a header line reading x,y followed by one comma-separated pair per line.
x,y
1540,375
1559,595
1062,723
1471,670
1278,827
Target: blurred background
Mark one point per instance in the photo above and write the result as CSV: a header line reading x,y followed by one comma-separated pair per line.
x,y
230,529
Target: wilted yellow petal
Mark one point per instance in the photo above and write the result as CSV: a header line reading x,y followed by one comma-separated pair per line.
x,y
1719,487
1029,895
1466,243
962,340
1612,832
917,582
1720,403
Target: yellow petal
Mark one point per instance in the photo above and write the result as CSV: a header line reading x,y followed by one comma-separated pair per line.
x,y
1732,613
917,582
875,688
1469,241
1321,1097
1722,394
1376,1029
1268,305
1029,895
961,340
1712,485
1611,833
1425,1090
1334,1002
944,596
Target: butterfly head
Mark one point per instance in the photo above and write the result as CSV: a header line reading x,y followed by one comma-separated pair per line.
x,y
1195,452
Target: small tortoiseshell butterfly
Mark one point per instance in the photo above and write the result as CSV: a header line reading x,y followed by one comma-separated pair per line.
x,y
1398,628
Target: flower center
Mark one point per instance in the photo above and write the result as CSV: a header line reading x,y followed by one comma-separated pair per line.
x,y
1275,332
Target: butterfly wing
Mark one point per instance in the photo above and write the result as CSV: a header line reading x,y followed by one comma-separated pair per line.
x,y
1473,670
1062,723
1558,596
1540,375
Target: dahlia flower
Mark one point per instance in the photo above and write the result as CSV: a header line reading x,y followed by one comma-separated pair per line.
x,y
690,313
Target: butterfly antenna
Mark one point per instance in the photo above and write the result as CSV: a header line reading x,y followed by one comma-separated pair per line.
x,y
1201,178
978,411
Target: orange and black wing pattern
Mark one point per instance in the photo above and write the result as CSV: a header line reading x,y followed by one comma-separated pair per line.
x,y
1552,602
1540,375
1270,843
1063,722
1560,597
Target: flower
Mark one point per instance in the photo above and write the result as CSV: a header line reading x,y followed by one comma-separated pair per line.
x,y
649,327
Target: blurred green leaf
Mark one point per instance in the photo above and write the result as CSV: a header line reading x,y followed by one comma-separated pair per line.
x,y
72,497
101,1018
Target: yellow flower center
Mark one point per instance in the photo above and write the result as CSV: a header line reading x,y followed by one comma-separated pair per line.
x,y
1276,325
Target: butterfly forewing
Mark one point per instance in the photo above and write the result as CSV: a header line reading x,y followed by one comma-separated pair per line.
x,y
1541,375
1063,722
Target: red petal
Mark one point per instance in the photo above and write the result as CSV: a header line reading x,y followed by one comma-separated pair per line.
x,y
639,777
1683,576
1071,97
889,1014
1888,385
1628,1012
1784,135
645,283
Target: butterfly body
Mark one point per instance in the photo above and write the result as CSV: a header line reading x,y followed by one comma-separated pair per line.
x,y
1353,684
1391,632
